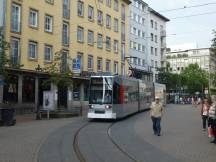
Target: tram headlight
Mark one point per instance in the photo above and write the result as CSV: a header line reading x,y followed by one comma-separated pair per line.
x,y
108,106
91,106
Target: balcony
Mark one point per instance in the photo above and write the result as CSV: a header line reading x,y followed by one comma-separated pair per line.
x,y
163,33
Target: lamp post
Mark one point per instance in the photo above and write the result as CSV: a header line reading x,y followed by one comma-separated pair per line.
x,y
38,69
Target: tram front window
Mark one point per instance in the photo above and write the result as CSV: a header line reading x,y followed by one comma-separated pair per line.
x,y
101,91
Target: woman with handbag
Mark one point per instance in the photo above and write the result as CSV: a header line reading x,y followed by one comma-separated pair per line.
x,y
204,113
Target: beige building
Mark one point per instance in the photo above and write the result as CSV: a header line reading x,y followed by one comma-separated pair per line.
x,y
91,35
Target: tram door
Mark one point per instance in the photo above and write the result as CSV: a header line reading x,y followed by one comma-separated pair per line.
x,y
62,96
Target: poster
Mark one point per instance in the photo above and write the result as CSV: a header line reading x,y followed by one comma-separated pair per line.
x,y
48,100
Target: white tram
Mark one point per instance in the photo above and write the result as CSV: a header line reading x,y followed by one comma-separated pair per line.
x,y
113,97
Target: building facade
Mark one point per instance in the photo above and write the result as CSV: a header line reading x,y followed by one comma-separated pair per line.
x,y
147,38
93,34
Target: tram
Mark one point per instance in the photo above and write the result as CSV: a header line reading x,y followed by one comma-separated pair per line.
x,y
160,91
113,97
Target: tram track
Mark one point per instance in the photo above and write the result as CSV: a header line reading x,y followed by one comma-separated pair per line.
x,y
80,155
76,147
131,157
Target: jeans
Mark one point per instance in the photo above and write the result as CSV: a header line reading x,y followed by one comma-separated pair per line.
x,y
156,125
205,119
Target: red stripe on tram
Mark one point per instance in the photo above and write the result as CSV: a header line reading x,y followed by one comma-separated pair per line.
x,y
121,97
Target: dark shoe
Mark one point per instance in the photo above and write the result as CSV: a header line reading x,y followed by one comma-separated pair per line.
x,y
158,135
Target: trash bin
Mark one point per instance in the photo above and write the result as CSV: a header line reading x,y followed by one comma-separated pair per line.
x,y
8,116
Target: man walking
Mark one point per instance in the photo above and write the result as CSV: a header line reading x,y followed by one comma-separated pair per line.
x,y
156,114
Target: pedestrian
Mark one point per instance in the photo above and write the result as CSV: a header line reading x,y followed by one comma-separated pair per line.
x,y
156,114
204,113
212,121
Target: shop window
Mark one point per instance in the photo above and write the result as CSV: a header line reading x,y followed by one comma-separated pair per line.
x,y
10,94
28,89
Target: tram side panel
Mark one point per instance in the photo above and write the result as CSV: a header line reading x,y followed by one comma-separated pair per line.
x,y
127,97
146,94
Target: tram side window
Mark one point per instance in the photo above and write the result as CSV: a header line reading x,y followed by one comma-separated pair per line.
x,y
116,93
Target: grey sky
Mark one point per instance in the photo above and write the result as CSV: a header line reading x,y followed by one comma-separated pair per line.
x,y
192,29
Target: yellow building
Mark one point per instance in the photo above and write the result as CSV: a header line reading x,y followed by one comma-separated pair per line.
x,y
93,33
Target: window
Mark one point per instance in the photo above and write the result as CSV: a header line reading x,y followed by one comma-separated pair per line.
x,y
100,41
123,52
108,3
28,89
33,18
156,39
116,5
122,69
100,17
134,30
64,61
123,31
156,51
50,1
48,23
90,62
155,25
123,12
152,50
80,8
134,45
108,21
108,43
139,61
131,44
65,33
116,46
152,63
15,50
152,24
143,21
139,19
143,34
107,65
115,67
90,13
139,47
152,37
48,53
32,52
80,34
99,64
143,63
16,18
66,9
139,33
115,25
143,48
90,37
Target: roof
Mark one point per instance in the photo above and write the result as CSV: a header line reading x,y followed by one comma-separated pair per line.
x,y
187,50
127,1
158,14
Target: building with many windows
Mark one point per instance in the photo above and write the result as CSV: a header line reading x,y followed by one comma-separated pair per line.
x,y
179,60
93,34
147,38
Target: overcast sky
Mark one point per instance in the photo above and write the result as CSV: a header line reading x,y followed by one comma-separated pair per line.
x,y
187,30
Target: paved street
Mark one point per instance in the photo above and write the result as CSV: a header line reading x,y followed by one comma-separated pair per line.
x,y
182,139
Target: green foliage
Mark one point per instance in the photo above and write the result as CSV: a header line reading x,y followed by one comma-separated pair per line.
x,y
60,73
195,78
213,46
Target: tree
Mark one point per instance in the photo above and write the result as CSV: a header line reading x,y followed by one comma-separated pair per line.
x,y
59,71
195,78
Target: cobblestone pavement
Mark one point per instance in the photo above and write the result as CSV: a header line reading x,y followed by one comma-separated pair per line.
x,y
21,143
182,137
51,140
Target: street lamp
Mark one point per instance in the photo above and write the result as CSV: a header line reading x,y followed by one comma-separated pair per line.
x,y
38,69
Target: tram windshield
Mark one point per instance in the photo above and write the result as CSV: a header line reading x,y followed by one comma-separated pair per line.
x,y
101,90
